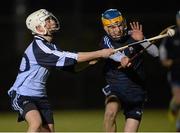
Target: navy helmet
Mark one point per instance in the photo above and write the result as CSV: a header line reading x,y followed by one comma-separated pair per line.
x,y
112,16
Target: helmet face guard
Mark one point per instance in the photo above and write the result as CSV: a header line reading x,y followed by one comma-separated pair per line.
x,y
116,30
114,23
56,26
38,18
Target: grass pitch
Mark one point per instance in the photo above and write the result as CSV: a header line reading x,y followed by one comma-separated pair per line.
x,y
91,121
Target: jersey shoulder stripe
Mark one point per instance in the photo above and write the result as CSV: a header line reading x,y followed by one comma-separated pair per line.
x,y
107,42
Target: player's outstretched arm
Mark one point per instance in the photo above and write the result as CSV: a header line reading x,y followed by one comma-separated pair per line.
x,y
87,56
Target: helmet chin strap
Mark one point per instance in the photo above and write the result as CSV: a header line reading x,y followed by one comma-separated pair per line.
x,y
45,31
50,32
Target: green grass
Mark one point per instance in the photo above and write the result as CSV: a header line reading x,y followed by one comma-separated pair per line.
x,y
91,121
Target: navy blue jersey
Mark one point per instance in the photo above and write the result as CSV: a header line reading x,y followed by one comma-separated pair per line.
x,y
170,49
132,75
36,62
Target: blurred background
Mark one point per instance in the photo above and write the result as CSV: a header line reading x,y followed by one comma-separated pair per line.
x,y
81,30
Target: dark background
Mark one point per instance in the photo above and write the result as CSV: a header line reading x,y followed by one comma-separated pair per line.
x,y
81,30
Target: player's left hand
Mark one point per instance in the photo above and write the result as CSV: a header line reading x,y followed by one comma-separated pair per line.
x,y
136,32
125,62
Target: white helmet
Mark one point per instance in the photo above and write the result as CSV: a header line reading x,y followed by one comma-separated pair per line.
x,y
38,18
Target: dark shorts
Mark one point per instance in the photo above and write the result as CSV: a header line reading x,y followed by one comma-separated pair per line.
x,y
132,100
24,104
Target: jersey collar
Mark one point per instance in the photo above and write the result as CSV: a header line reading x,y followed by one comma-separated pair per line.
x,y
39,38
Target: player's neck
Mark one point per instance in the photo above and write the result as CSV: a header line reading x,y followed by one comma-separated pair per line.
x,y
48,38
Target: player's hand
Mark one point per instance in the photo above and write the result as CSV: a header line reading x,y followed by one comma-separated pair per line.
x,y
105,53
136,32
125,62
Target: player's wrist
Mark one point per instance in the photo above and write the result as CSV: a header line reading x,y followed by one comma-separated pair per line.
x,y
122,57
101,53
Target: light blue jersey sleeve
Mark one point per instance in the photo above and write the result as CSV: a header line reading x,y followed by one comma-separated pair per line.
x,y
50,56
152,50
116,56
